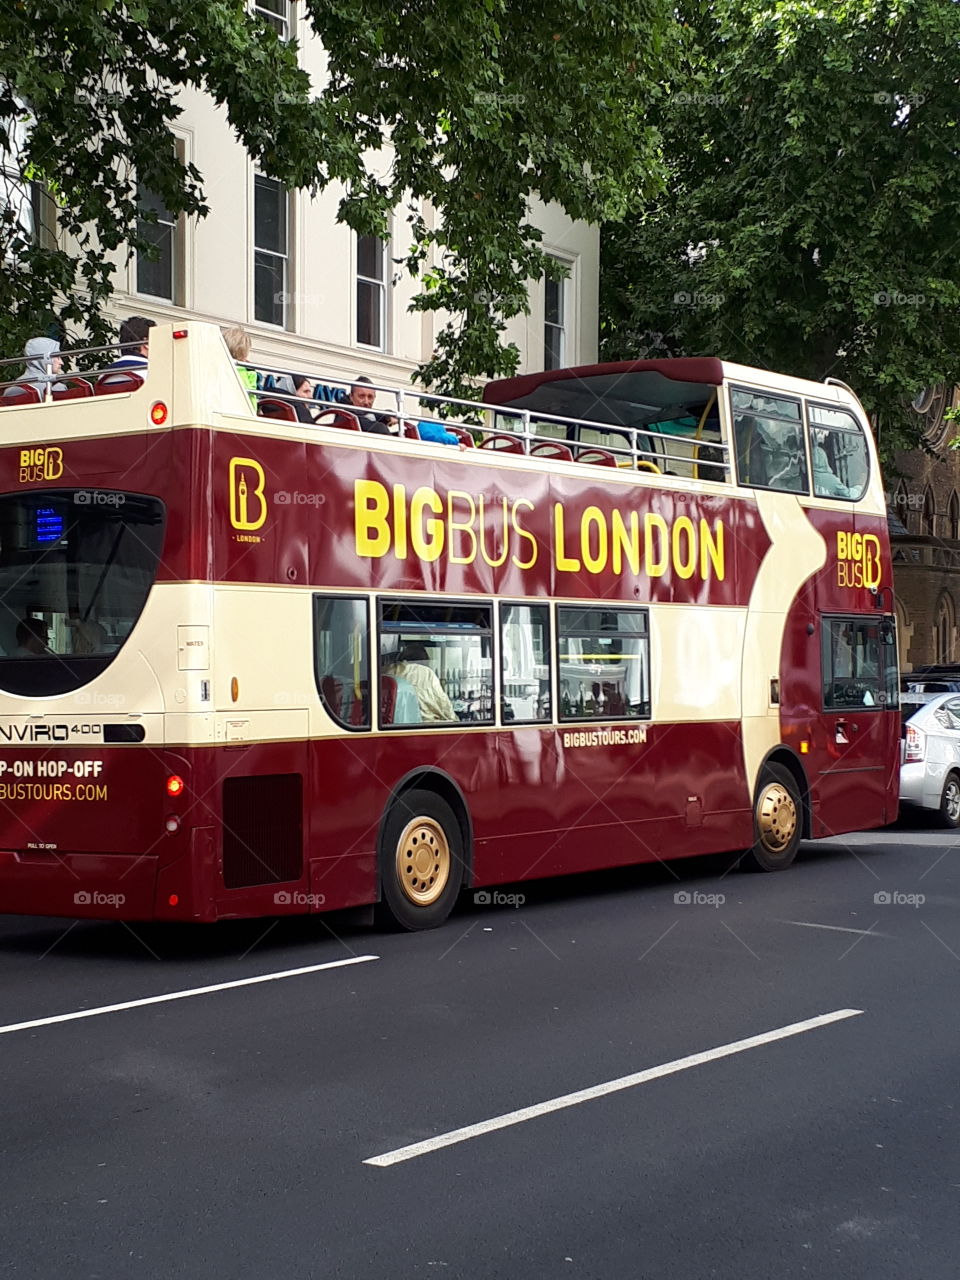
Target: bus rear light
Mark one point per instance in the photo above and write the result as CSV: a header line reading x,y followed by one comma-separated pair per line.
x,y
234,689
174,785
173,900
172,824
805,747
158,413
180,333
916,742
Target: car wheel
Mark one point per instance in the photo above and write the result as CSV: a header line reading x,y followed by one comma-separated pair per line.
x,y
421,861
777,821
950,802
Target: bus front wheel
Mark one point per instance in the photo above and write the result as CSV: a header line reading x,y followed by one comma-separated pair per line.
x,y
777,821
421,861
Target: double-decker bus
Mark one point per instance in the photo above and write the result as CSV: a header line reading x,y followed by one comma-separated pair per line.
x,y
256,666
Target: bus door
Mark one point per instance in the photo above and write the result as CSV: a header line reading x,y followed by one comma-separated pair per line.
x,y
850,771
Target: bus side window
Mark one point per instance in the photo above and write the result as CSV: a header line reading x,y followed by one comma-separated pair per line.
x,y
341,658
838,452
771,452
525,662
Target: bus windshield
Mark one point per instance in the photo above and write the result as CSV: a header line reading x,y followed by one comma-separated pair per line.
x,y
76,567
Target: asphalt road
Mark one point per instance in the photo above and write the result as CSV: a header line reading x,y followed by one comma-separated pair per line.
x,y
225,1134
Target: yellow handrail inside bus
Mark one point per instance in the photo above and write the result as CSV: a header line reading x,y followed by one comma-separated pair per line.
x,y
700,425
648,466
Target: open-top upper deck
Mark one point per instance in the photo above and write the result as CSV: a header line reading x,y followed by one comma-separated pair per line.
x,y
697,423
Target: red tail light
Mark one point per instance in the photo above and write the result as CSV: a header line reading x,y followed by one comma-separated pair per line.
x,y
916,742
174,785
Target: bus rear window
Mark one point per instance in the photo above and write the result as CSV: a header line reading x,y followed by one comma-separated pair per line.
x,y
76,567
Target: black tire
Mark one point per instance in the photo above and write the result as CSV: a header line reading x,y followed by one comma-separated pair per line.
x,y
421,861
777,821
950,802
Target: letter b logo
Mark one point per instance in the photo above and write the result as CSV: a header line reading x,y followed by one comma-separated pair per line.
x,y
248,506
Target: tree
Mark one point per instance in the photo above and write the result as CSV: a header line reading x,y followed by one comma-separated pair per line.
x,y
485,105
808,223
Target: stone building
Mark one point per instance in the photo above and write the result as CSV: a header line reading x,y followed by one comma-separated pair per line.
x,y
923,487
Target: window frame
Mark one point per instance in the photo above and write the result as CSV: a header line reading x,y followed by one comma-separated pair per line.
x,y
557,327
887,680
379,285
563,718
810,403
502,606
800,401
285,256
487,603
319,597
284,24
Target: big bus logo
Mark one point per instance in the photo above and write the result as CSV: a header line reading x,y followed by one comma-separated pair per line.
x,y
41,464
858,560
248,506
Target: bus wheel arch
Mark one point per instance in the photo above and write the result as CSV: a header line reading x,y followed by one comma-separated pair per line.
x,y
781,817
423,851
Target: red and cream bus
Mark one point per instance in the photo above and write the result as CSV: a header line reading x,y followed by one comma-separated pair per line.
x,y
251,666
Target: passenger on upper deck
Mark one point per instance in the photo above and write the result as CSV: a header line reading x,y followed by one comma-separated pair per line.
x,y
303,389
134,343
238,344
44,362
360,402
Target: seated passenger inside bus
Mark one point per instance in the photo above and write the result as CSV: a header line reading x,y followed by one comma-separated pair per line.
x,y
412,665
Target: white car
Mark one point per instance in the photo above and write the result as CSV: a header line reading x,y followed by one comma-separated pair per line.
x,y
930,758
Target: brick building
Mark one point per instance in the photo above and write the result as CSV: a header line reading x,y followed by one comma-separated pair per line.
x,y
924,503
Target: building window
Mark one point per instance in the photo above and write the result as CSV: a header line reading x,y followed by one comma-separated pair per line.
x,y
943,632
928,519
157,274
554,323
371,292
271,263
953,517
277,14
17,215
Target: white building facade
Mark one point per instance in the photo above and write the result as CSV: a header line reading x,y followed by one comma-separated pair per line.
x,y
314,296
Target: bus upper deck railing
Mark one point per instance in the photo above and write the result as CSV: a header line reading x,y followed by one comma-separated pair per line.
x,y
497,428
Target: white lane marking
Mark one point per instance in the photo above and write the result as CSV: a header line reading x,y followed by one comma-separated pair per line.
x,y
182,995
834,928
601,1090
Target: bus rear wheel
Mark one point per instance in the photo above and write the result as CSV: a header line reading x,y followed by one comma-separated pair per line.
x,y
421,861
777,821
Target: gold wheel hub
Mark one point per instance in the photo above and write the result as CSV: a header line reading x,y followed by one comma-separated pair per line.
x,y
423,861
776,817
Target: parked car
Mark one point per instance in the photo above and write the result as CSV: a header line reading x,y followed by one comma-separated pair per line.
x,y
930,757
918,687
